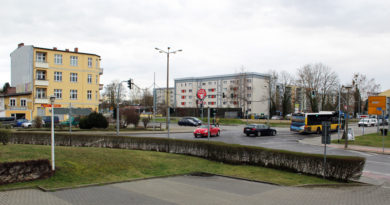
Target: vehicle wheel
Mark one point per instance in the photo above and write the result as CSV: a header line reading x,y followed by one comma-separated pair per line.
x,y
337,128
273,133
218,133
257,134
318,131
358,126
247,134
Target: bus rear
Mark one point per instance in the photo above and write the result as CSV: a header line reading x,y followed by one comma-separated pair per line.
x,y
298,122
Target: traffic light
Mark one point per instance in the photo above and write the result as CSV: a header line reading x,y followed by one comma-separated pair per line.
x,y
223,95
129,83
213,112
171,110
313,93
232,95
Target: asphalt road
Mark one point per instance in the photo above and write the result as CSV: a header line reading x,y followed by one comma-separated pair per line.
x,y
376,170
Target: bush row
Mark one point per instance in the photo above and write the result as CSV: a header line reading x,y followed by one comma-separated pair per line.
x,y
11,172
338,167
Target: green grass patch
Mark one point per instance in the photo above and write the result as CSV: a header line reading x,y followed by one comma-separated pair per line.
x,y
81,166
372,140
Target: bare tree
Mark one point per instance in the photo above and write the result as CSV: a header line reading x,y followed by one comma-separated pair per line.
x,y
110,94
240,90
317,80
286,81
365,85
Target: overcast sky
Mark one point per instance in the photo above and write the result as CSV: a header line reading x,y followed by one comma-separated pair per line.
x,y
217,36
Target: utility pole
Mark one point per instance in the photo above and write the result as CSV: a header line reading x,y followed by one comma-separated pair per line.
x,y
154,101
339,125
70,118
117,110
346,120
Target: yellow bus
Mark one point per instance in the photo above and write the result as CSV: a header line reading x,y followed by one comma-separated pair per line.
x,y
312,122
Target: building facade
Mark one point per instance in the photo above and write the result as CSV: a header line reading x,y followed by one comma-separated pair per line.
x,y
160,96
38,73
249,91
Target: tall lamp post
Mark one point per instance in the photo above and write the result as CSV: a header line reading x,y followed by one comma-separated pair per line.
x,y
348,87
168,52
52,99
117,107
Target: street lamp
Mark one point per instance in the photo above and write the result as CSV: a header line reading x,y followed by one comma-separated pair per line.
x,y
52,99
168,52
348,87
117,107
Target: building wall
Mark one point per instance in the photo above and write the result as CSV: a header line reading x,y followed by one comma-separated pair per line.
x,y
248,91
22,69
25,66
2,109
161,96
18,109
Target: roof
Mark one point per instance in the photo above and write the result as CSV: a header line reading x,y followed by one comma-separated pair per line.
x,y
223,76
385,93
57,50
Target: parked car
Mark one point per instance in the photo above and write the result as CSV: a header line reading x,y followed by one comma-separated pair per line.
x,y
202,131
276,117
256,129
189,121
367,122
31,123
7,121
288,117
47,120
19,122
382,122
75,122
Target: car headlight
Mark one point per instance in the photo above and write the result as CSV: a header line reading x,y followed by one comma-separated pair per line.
x,y
205,131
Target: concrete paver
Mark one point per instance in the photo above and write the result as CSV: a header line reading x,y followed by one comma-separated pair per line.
x,y
201,190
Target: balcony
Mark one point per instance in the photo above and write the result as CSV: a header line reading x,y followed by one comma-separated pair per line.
x,y
101,71
41,82
41,100
101,86
16,108
41,65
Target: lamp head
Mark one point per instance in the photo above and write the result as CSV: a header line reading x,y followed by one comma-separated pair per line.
x,y
52,98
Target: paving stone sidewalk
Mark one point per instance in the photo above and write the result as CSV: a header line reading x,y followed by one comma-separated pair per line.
x,y
200,190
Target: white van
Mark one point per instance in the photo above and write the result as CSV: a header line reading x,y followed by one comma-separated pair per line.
x,y
368,122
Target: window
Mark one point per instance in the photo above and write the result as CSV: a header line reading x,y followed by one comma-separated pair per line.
x,y
189,97
203,83
89,62
40,57
89,94
41,75
249,80
73,60
96,63
183,91
210,83
224,82
23,102
189,84
224,102
40,93
73,94
12,102
58,59
58,76
73,77
190,103
96,79
183,97
190,90
249,88
224,89
249,102
249,95
89,78
183,103
58,93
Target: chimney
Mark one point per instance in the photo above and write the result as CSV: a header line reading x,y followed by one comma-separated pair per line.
x,y
20,45
76,50
55,48
67,50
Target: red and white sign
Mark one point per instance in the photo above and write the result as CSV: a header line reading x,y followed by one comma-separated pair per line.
x,y
49,105
363,116
201,94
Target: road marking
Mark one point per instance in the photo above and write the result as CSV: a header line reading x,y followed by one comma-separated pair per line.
x,y
362,153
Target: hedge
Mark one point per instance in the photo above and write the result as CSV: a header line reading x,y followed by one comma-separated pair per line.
x,y
338,167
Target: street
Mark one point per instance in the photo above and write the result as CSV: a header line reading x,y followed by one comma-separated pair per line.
x,y
376,170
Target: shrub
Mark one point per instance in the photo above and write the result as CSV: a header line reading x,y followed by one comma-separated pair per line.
x,y
131,116
38,122
4,136
93,120
146,121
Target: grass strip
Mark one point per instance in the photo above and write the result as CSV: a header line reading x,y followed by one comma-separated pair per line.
x,y
371,140
77,166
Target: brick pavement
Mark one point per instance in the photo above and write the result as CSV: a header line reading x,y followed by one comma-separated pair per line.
x,y
201,190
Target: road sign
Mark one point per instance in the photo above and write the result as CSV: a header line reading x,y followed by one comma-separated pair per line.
x,y
376,104
49,105
201,94
325,139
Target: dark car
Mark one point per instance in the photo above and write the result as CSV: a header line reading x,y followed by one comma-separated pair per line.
x,y
189,121
47,120
256,129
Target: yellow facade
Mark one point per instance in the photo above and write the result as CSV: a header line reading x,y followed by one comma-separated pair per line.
x,y
18,107
53,71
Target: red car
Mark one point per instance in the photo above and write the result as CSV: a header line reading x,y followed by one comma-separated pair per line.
x,y
202,131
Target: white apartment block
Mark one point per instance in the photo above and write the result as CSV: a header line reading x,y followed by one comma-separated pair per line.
x,y
160,96
249,91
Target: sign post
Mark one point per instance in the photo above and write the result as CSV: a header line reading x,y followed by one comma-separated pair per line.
x,y
201,95
325,139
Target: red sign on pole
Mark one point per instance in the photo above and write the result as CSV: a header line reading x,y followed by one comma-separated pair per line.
x,y
201,94
49,105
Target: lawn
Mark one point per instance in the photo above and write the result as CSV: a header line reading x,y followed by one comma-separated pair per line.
x,y
372,140
77,166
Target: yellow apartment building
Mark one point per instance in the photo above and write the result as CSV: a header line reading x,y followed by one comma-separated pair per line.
x,y
37,73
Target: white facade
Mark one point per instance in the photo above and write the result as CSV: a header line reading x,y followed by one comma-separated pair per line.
x,y
160,96
2,107
249,91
